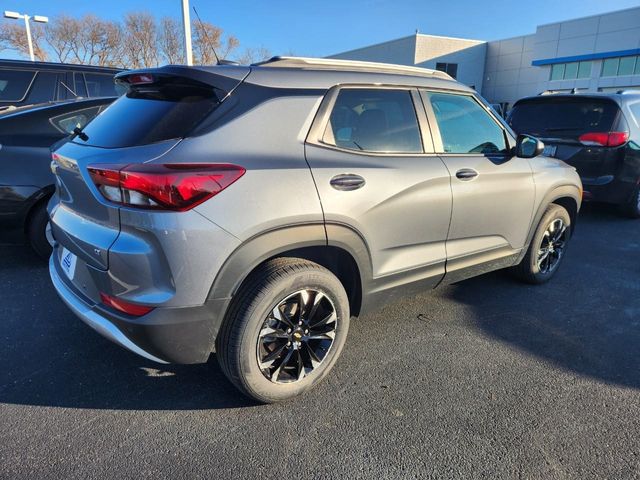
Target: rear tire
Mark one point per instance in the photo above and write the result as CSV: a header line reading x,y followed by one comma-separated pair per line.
x,y
37,230
547,247
284,330
631,209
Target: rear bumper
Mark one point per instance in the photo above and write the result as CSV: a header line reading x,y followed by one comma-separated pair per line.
x,y
165,335
608,188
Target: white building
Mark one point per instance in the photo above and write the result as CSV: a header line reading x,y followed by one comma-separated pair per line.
x,y
597,53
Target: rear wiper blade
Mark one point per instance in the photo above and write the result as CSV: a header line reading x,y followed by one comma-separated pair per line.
x,y
77,132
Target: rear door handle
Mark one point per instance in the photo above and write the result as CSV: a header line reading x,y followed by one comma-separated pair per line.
x,y
347,182
466,174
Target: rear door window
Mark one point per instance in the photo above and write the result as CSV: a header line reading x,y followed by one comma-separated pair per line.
x,y
151,114
78,84
374,120
466,127
100,85
563,117
14,84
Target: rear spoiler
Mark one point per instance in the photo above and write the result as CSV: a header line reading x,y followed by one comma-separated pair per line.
x,y
223,77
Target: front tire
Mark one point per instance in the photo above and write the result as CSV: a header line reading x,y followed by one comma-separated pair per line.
x,y
284,330
547,247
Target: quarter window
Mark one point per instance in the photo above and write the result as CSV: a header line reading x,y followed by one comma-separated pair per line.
x,y
67,122
466,127
374,120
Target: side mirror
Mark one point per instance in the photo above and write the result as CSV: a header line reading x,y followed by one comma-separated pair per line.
x,y
528,147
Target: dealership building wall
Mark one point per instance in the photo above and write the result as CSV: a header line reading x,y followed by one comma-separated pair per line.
x,y
597,53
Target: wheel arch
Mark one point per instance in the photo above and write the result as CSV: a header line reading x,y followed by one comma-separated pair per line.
x,y
567,196
346,256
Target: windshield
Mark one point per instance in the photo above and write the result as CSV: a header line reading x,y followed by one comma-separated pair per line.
x,y
563,117
150,114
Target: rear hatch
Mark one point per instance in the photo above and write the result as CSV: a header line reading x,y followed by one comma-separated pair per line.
x,y
585,132
161,107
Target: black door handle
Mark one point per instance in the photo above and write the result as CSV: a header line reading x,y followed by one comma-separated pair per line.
x,y
347,182
466,174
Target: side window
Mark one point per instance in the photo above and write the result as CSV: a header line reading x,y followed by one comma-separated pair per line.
x,y
14,84
67,122
79,86
100,85
466,127
374,120
43,88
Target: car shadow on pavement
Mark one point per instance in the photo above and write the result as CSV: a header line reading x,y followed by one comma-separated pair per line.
x,y
51,358
587,318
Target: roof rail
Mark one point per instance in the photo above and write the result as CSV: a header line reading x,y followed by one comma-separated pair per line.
x,y
628,91
352,65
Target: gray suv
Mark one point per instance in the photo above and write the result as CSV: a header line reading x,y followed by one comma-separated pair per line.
x,y
251,211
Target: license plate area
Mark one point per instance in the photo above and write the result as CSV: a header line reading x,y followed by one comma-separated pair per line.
x,y
68,262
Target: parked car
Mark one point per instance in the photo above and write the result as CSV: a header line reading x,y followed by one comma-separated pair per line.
x,y
252,210
598,133
26,182
29,83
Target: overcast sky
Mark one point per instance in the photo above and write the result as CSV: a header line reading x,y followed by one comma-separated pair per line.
x,y
320,28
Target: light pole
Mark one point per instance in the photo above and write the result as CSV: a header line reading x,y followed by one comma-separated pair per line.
x,y
36,18
186,20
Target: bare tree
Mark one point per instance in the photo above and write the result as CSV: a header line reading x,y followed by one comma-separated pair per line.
x,y
139,40
170,41
254,55
101,41
14,37
88,40
207,38
61,35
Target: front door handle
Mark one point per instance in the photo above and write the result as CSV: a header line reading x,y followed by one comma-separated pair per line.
x,y
466,174
347,182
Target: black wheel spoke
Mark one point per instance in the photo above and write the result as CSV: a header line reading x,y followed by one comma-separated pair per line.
x,y
270,359
276,373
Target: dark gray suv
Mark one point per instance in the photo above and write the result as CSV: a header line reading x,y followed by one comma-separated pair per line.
x,y
251,211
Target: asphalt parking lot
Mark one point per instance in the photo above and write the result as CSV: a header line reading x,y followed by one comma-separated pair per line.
x,y
485,379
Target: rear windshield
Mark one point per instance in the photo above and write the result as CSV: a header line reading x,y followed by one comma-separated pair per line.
x,y
14,84
150,114
564,117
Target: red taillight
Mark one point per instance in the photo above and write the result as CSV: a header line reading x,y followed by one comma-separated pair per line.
x,y
140,78
122,306
604,139
175,186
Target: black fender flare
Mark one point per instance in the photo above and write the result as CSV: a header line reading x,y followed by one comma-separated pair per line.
x,y
562,191
259,248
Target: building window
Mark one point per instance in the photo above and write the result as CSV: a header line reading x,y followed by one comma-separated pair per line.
x,y
584,70
557,71
570,71
449,68
616,67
